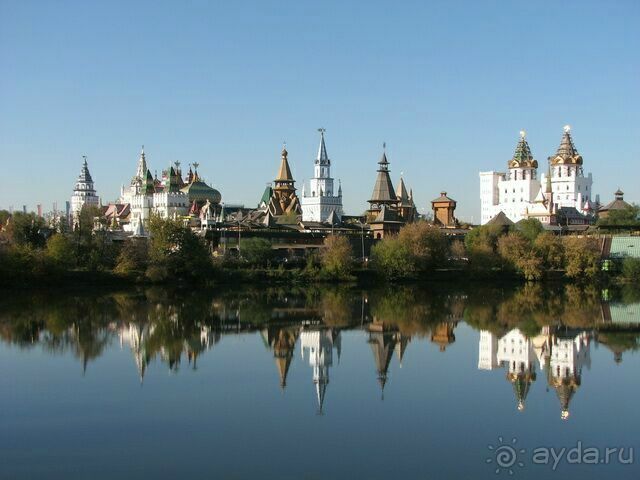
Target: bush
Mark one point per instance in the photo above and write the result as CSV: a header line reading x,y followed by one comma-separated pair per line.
x,y
336,257
256,251
483,237
515,249
582,257
551,249
631,269
392,258
61,252
176,252
530,228
133,258
426,244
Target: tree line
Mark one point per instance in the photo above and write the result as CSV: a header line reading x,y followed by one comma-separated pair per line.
x,y
175,253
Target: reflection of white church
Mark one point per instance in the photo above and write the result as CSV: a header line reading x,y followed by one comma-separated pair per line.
x,y
561,354
136,336
319,345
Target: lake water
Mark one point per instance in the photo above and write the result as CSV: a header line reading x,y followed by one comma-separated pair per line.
x,y
316,383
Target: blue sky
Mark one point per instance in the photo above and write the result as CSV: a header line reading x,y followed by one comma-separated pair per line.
x,y
448,85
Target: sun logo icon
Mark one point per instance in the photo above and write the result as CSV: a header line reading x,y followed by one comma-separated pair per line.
x,y
505,456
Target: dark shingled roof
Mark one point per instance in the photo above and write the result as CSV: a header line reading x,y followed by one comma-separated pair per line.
x,y
500,219
383,191
443,198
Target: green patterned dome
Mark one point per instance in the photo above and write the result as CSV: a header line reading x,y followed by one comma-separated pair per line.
x,y
199,191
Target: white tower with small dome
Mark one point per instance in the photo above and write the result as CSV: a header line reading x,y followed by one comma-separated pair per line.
x,y
84,192
320,201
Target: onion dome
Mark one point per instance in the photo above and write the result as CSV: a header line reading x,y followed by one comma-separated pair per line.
x,y
567,153
521,385
522,157
200,192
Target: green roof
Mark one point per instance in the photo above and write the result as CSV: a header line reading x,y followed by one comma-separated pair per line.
x,y
625,247
625,313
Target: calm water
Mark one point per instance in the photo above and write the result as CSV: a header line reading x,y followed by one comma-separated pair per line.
x,y
319,383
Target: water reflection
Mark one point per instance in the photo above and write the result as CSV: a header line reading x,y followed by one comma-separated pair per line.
x,y
530,332
318,345
559,352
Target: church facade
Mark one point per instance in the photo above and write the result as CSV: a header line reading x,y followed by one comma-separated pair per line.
x,y
521,193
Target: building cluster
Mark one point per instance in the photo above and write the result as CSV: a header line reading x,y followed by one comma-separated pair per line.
x,y
560,195
188,198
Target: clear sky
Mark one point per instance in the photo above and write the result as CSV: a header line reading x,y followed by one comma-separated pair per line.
x,y
448,85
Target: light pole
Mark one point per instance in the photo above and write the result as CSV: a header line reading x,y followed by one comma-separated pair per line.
x,y
362,239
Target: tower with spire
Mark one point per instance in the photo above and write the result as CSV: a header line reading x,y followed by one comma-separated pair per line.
x,y
388,210
84,192
321,202
284,200
570,186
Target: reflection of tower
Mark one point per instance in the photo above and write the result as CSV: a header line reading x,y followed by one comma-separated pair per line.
x,y
135,336
198,343
517,351
568,355
383,343
401,347
319,344
443,335
487,351
283,342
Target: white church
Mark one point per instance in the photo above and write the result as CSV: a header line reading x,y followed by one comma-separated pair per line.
x,y
521,193
319,202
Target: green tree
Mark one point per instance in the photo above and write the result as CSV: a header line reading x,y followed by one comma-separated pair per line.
x,y
256,251
60,251
515,249
627,217
482,244
336,256
392,259
426,244
582,256
176,252
4,216
133,258
530,228
551,250
485,237
26,229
